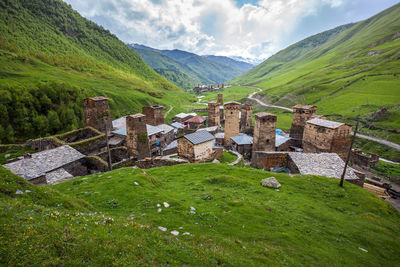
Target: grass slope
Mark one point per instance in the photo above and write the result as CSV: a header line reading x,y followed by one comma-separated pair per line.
x,y
351,70
310,221
42,42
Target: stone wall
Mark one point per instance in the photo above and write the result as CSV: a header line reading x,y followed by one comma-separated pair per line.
x,y
367,160
137,140
97,113
232,123
203,151
185,149
158,162
268,160
117,154
264,132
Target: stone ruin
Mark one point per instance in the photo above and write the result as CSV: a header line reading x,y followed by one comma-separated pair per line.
x,y
364,160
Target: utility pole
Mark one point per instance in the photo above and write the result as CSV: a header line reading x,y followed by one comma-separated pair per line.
x,y
108,146
349,154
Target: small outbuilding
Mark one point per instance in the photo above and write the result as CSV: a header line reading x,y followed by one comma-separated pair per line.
x,y
197,146
195,122
243,144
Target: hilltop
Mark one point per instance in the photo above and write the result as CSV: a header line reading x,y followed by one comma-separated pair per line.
x,y
52,58
227,218
348,71
188,69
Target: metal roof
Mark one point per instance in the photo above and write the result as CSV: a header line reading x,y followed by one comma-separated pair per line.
x,y
43,162
325,123
242,139
199,137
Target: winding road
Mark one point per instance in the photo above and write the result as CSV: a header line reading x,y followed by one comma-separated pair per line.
x,y
380,141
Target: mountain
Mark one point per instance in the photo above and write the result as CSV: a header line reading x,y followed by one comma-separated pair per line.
x,y
348,71
187,69
244,66
251,61
52,58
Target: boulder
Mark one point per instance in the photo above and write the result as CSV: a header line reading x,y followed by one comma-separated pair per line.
x,y
270,182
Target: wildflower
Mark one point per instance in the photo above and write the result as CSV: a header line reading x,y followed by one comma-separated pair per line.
x,y
30,218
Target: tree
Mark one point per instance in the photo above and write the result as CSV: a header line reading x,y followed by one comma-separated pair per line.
x,y
54,122
9,135
2,134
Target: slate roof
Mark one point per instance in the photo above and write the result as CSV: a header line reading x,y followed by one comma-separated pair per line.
x,y
184,115
44,162
281,139
220,135
325,123
165,127
174,144
322,164
242,139
150,130
56,175
119,123
178,125
199,137
196,119
209,129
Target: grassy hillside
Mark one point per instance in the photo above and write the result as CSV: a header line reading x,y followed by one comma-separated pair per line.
x,y
46,44
349,71
231,220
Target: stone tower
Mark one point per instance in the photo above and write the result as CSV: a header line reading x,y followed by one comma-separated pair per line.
x,y
220,99
97,113
232,124
154,115
264,132
301,114
213,114
246,117
137,140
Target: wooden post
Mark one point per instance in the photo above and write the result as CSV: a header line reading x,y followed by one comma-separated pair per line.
x,y
349,154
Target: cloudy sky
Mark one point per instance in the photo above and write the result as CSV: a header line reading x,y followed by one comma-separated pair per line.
x,y
247,28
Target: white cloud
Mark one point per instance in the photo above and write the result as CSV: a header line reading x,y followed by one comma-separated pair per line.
x,y
202,26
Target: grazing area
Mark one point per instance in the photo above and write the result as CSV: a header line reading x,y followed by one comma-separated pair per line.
x,y
195,214
348,71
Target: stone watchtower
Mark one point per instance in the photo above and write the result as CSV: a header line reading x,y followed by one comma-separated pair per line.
x,y
220,100
137,140
232,124
97,113
154,115
264,132
246,117
213,114
301,114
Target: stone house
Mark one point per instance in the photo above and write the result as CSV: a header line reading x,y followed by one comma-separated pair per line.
x,y
197,146
178,127
50,165
195,122
326,136
182,117
168,133
243,144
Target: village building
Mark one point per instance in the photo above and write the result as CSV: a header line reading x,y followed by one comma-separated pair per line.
x,y
283,142
264,132
243,144
182,117
321,164
326,136
178,127
211,130
197,146
213,114
364,160
232,124
154,115
50,165
96,113
219,139
168,133
195,122
246,117
137,140
301,114
170,149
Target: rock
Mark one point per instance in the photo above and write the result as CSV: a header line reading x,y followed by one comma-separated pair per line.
x,y
162,228
166,204
215,161
18,192
270,182
175,232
